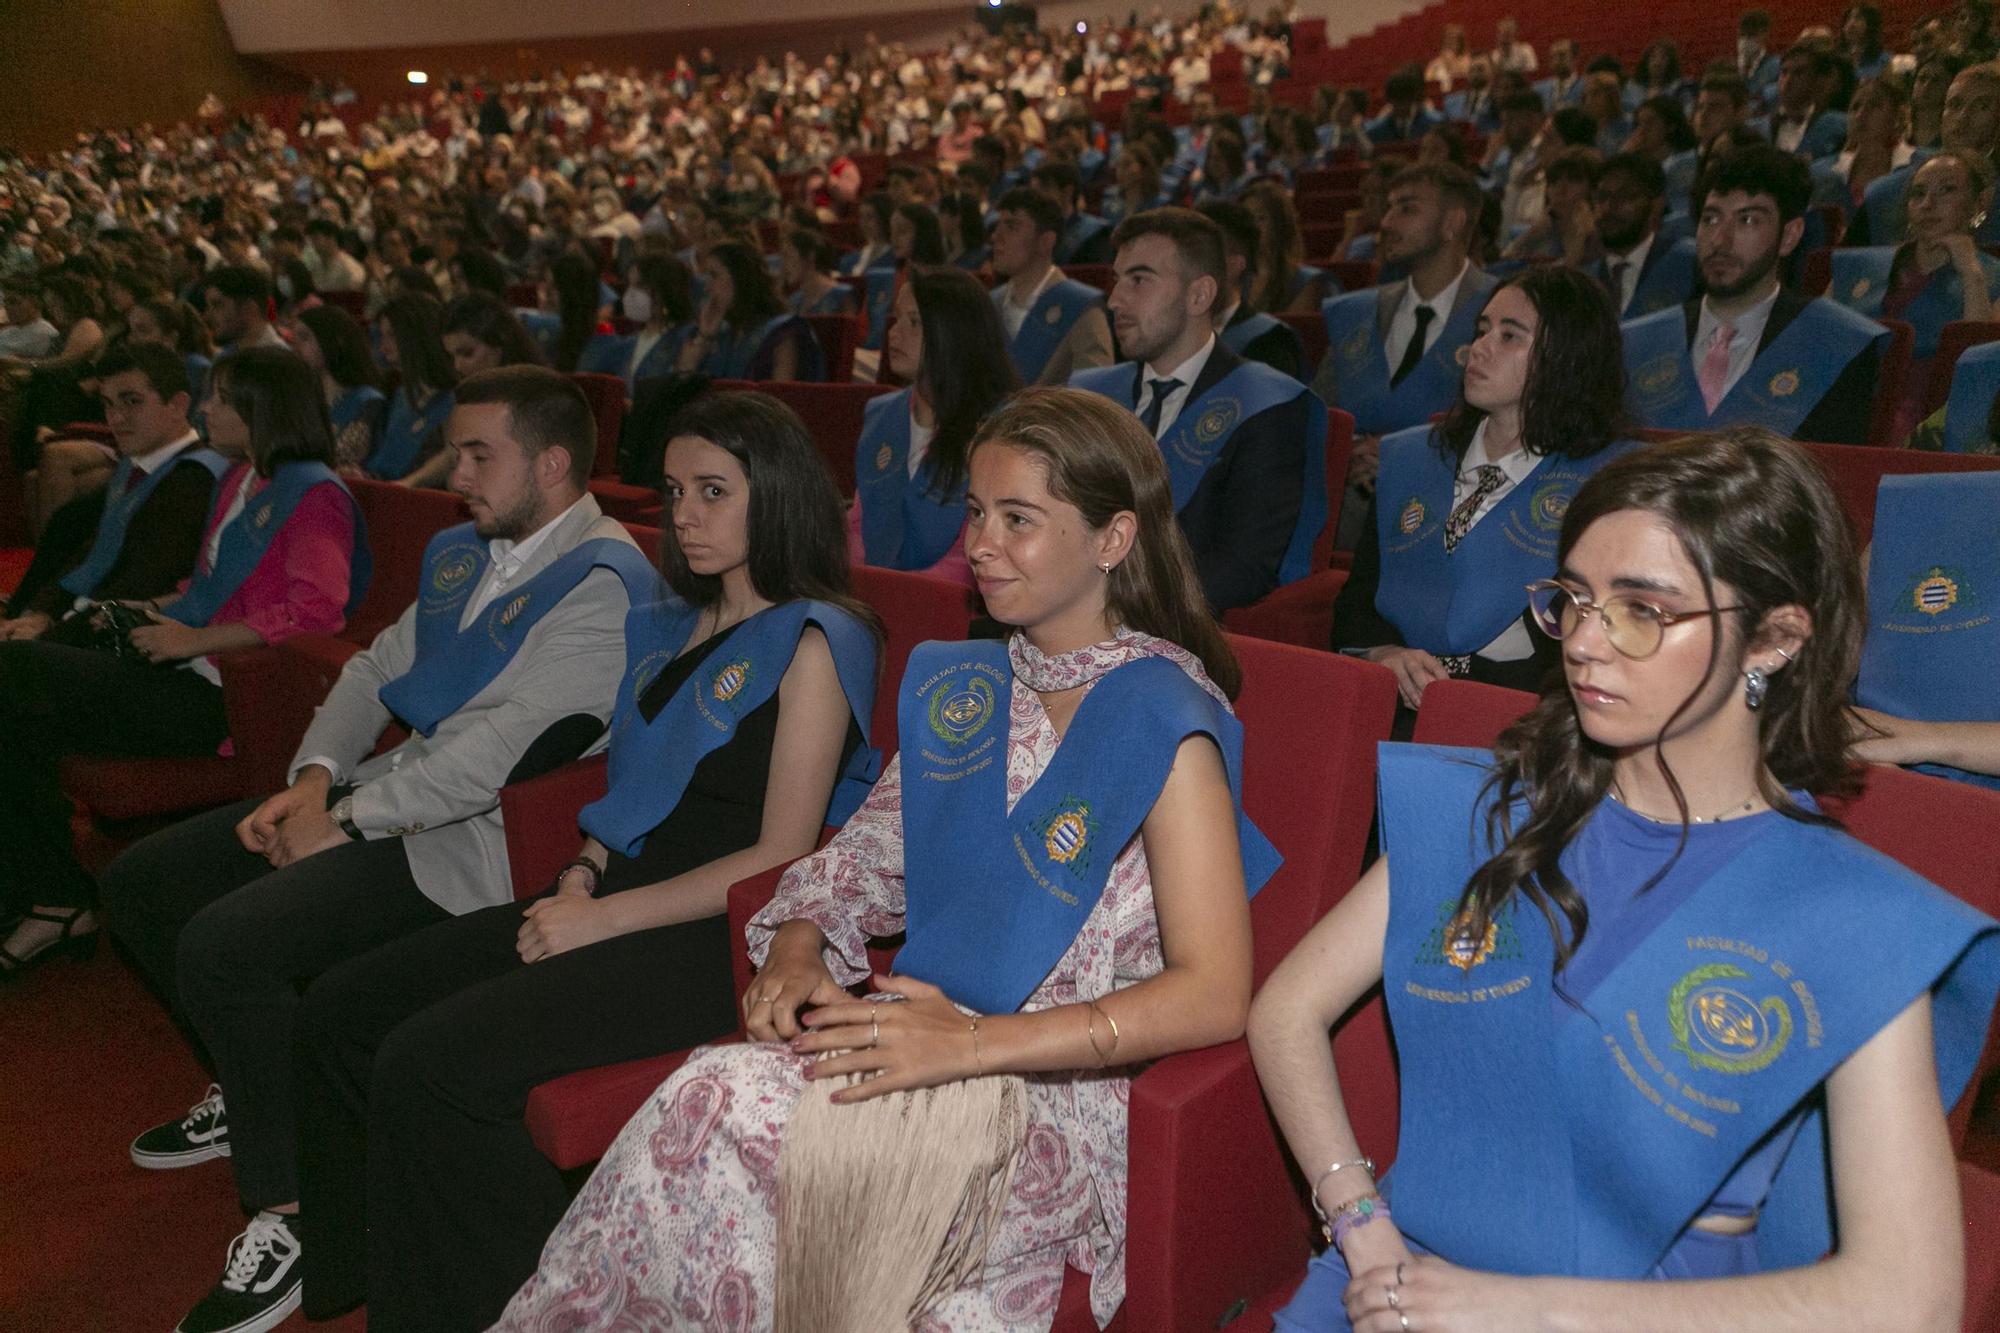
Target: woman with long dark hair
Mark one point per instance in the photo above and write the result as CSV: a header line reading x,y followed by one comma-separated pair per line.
x,y
740,730
743,330
1112,693
1466,512
873,218
1283,281
1660,1021
329,340
807,262
948,343
578,298
411,448
284,554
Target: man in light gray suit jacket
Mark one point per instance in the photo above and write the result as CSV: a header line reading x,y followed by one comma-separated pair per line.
x,y
508,664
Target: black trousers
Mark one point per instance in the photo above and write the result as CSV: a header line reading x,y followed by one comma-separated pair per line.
x,y
233,940
57,700
414,1067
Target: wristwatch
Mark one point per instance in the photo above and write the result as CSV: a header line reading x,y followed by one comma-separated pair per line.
x,y
342,812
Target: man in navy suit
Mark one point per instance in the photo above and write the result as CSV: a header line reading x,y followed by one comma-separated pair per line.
x,y
1236,434
1800,123
1643,269
1085,238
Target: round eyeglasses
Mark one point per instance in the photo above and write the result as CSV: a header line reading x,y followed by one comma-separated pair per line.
x,y
1633,627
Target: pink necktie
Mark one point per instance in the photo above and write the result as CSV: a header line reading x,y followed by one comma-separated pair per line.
x,y
1714,376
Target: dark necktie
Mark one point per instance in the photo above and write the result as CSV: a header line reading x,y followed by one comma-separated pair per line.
x,y
1150,418
132,480
1618,272
1415,351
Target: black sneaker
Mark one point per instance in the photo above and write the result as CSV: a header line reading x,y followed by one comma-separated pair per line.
x,y
202,1135
260,1286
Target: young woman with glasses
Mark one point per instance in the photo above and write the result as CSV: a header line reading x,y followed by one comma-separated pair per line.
x,y
1665,1031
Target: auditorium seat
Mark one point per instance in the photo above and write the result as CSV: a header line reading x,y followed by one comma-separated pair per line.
x,y
832,412
838,336
574,1118
1301,612
1855,471
1100,276
1892,373
1311,328
354,303
607,403
1953,342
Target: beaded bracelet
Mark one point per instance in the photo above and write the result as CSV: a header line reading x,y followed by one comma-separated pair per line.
x,y
1357,1213
589,867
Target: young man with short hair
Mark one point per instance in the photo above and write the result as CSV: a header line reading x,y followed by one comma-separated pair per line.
x,y
1750,352
1643,270
1245,330
236,300
1055,325
1244,444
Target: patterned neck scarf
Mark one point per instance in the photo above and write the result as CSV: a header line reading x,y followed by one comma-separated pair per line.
x,y
1066,671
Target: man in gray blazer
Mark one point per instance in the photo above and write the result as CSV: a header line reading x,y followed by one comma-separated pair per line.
x,y
508,664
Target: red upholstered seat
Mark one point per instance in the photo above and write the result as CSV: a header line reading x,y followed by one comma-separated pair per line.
x,y
607,403
1953,341
1099,276
1856,471
832,412
1892,372
1301,612
354,303
838,336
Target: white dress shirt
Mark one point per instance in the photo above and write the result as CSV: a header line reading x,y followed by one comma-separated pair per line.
x,y
1013,315
1514,642
1749,328
1634,261
1403,324
920,441
1187,372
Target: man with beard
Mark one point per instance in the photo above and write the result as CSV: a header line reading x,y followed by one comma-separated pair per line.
x,y
1643,270
1244,444
507,665
1750,352
1392,356
1971,127
1721,104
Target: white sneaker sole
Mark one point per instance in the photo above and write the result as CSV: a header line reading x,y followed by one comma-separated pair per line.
x,y
174,1161
269,1319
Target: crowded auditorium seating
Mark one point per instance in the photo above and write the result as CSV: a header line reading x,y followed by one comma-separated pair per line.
x,y
1218,1228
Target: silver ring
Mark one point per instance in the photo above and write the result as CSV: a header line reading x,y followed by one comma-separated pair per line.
x,y
1395,1301
1406,1321
874,1031
763,999
1399,1271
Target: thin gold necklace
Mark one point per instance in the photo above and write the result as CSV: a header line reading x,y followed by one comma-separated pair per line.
x,y
1733,812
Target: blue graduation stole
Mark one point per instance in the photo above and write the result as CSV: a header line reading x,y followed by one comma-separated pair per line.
x,y
1054,314
881,301
1623,1114
1933,645
1861,279
247,536
543,327
403,435
904,523
1204,426
1306,275
611,354
1974,382
1665,283
1779,390
732,359
1082,229
353,404
993,900
1243,332
1364,366
451,666
651,762
119,507
1462,601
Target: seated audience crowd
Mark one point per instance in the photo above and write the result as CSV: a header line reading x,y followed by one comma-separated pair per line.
x,y
1532,384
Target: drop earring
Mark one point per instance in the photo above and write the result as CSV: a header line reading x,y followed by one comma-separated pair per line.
x,y
1104,565
1756,684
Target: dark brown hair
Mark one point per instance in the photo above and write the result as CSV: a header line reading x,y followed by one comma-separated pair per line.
x,y
1752,510
1100,459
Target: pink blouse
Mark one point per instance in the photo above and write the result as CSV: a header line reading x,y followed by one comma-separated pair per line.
x,y
301,584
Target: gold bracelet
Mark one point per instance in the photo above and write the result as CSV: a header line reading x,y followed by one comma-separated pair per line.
x,y
978,1065
1103,1056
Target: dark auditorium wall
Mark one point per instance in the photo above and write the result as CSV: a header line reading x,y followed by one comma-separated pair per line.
x,y
71,63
